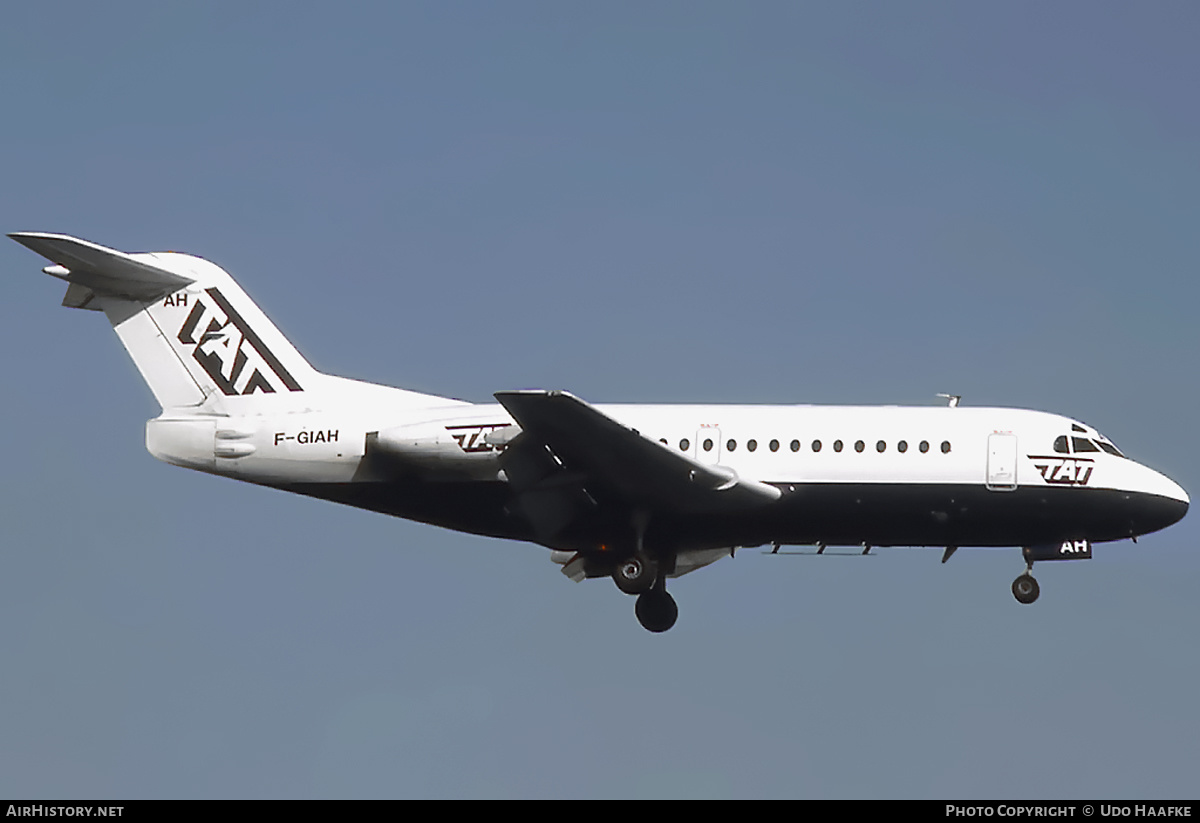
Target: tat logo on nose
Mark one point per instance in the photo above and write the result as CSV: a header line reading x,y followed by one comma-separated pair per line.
x,y
1063,471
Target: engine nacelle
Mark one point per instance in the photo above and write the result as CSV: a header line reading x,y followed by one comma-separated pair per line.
x,y
187,442
433,450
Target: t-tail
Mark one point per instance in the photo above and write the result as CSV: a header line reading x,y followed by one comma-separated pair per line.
x,y
200,343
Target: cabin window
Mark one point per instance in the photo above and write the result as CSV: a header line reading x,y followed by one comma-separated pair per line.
x,y
924,446
795,445
859,445
662,440
1060,444
816,445
945,447
684,445
708,444
837,445
1082,444
731,445
751,445
902,446
880,446
774,445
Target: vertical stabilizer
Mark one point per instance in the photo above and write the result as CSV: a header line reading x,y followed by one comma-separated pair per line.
x,y
195,336
237,358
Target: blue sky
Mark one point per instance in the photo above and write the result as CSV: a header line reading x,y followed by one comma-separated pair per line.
x,y
776,203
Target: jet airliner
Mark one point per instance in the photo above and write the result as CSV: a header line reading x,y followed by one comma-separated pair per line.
x,y
635,493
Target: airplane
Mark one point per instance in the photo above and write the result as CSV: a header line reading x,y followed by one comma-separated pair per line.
x,y
635,493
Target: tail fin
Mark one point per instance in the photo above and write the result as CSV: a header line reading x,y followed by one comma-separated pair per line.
x,y
195,336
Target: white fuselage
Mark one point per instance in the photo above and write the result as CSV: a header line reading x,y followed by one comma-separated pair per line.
x,y
770,444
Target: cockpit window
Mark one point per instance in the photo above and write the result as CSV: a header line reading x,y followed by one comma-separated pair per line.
x,y
1075,427
1084,444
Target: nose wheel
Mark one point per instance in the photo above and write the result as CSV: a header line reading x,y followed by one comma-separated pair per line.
x,y
1025,588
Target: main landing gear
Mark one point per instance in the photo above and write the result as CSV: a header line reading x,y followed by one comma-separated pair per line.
x,y
645,575
639,575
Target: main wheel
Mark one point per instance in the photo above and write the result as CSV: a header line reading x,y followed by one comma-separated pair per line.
x,y
1026,589
635,575
656,611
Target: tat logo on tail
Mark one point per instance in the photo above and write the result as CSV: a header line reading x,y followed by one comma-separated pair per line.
x,y
227,348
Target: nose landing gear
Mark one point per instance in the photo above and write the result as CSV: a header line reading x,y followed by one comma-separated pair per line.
x,y
1025,588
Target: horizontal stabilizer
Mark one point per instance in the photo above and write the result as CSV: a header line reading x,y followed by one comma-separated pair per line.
x,y
103,271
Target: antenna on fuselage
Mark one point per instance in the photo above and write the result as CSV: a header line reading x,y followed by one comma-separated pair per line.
x,y
953,398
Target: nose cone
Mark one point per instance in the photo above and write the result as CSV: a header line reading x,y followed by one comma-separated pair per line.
x,y
1176,492
1163,486
1163,502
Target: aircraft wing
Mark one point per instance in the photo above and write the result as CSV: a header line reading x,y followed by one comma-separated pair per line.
x,y
601,453
90,268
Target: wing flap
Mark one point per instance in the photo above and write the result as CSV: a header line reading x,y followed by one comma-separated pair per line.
x,y
636,468
101,270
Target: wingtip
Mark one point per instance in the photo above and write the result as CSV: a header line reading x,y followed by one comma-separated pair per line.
x,y
27,237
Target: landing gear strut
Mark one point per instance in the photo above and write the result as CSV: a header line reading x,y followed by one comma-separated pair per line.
x,y
637,573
